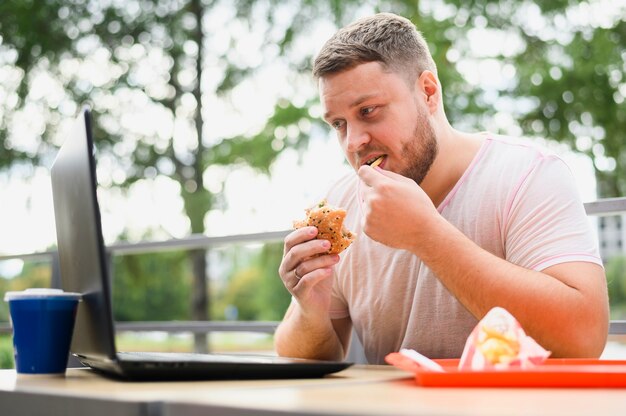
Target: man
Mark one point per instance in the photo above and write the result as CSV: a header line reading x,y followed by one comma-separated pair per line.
x,y
449,225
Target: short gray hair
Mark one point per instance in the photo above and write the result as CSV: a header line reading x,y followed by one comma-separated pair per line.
x,y
387,38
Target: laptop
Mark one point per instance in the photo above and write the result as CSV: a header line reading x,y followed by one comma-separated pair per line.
x,y
83,265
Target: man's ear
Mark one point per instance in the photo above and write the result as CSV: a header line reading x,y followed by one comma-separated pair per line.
x,y
428,84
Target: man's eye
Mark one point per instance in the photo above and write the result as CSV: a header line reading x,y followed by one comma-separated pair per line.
x,y
367,111
337,124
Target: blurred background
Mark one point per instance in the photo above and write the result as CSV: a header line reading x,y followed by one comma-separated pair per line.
x,y
207,123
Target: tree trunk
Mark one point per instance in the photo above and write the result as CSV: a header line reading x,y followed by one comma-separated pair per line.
x,y
200,302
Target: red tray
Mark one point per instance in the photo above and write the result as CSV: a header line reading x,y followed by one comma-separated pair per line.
x,y
555,372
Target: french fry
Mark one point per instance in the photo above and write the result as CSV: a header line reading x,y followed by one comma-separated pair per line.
x,y
377,162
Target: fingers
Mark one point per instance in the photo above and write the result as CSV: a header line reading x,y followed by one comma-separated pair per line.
x,y
299,236
303,256
301,244
295,273
372,176
310,269
309,273
375,185
368,175
311,281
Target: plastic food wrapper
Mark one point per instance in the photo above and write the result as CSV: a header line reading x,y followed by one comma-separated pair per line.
x,y
499,342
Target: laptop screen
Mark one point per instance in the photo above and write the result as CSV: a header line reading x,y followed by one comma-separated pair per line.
x,y
80,242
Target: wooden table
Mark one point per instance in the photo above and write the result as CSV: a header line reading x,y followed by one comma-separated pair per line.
x,y
363,390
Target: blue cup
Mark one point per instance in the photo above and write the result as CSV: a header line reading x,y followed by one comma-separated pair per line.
x,y
43,323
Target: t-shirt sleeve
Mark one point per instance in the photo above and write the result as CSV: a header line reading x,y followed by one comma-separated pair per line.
x,y
546,223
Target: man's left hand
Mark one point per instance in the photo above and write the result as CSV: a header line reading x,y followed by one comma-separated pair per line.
x,y
395,208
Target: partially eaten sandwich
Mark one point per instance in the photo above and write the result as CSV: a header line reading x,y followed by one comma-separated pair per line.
x,y
329,222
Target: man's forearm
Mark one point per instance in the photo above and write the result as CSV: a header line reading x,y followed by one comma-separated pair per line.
x,y
564,308
307,337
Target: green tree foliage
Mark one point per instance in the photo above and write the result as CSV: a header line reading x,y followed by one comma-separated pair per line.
x,y
33,274
616,278
568,74
173,64
571,79
276,298
253,289
240,298
6,352
151,287
32,39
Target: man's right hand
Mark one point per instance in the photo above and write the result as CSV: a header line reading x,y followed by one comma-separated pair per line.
x,y
305,271
307,330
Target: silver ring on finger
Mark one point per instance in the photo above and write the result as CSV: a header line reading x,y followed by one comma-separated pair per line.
x,y
295,273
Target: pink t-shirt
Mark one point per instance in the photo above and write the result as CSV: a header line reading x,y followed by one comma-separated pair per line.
x,y
515,201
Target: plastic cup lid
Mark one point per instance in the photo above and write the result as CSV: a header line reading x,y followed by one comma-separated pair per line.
x,y
40,293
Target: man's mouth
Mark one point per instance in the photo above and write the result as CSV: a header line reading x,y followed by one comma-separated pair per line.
x,y
375,161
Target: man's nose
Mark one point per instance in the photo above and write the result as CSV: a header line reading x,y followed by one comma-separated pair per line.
x,y
356,137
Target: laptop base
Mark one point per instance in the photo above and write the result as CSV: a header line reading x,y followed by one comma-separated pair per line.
x,y
212,367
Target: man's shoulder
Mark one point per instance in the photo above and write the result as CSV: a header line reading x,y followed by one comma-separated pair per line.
x,y
520,146
520,152
507,162
528,165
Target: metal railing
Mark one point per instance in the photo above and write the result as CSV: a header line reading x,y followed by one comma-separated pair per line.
x,y
606,206
602,207
190,243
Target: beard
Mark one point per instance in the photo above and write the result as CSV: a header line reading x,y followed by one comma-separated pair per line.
x,y
420,150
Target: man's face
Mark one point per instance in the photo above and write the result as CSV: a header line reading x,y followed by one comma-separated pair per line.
x,y
377,113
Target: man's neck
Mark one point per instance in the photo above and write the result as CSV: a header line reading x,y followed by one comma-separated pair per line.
x,y
456,152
